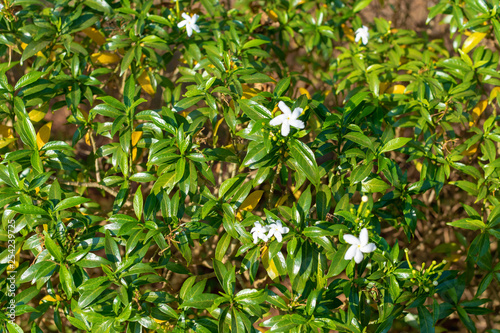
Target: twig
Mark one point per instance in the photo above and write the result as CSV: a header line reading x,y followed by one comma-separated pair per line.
x,y
97,173
88,184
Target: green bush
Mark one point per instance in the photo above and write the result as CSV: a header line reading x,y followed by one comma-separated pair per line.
x,y
274,165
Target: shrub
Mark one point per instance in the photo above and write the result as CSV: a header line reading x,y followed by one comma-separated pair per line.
x,y
282,166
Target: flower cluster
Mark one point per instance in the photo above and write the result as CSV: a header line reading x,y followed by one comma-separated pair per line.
x,y
265,232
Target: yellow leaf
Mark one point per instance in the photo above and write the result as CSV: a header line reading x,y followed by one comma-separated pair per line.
x,y
134,153
36,115
383,86
418,165
87,139
105,58
43,135
159,321
216,129
495,93
6,136
396,89
272,15
95,35
348,32
472,41
281,200
49,298
136,136
6,142
297,194
248,92
145,83
251,201
269,265
303,91
477,111
472,150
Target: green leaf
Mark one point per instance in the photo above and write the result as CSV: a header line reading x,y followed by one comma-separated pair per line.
x,y
29,209
360,139
282,86
306,162
33,48
138,203
468,223
28,79
338,262
52,247
70,202
360,5
254,43
374,185
425,320
13,328
394,144
89,296
66,280
254,110
203,301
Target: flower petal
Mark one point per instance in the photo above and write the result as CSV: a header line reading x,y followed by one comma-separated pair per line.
x,y
194,18
363,237
297,112
271,233
284,108
196,28
181,24
350,252
297,123
285,128
358,257
255,238
368,248
285,230
278,236
351,239
278,120
189,30
186,16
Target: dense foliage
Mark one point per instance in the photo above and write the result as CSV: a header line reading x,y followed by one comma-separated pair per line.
x,y
260,166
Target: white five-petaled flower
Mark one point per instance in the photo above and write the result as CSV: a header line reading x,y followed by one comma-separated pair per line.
x,y
358,246
259,231
363,34
287,119
277,230
190,23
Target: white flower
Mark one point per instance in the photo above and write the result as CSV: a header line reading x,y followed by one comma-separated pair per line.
x,y
363,34
287,119
259,231
277,230
1,6
358,246
190,23
364,198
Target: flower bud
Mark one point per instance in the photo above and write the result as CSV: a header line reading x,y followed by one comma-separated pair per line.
x,y
435,283
364,198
